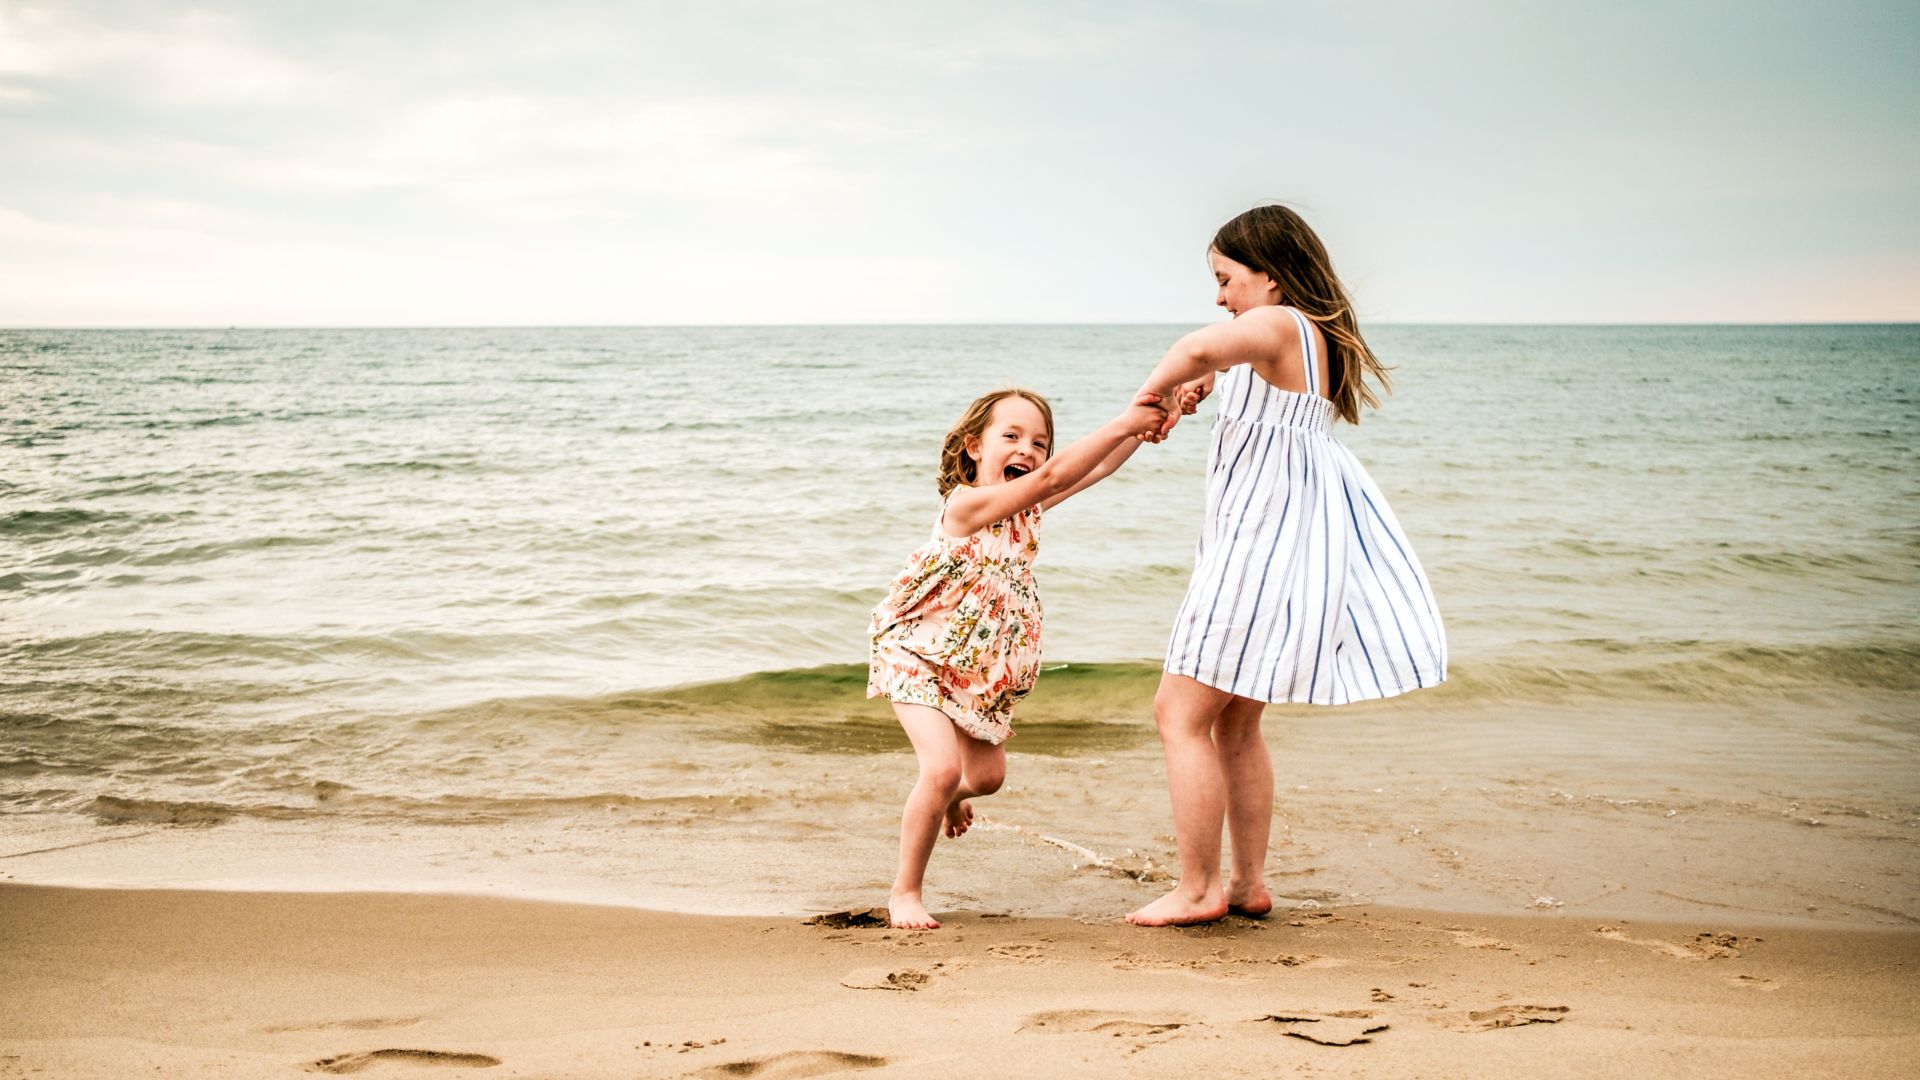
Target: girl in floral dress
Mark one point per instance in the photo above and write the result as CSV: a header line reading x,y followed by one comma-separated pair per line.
x,y
956,643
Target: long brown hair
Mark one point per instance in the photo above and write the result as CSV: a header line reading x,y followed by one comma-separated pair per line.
x,y
956,467
1277,242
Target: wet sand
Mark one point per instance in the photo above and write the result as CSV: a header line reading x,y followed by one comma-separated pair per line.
x,y
117,983
1765,813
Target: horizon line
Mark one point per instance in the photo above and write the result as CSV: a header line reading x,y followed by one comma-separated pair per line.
x,y
22,328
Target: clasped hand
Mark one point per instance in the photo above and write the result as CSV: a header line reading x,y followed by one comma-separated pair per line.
x,y
1188,395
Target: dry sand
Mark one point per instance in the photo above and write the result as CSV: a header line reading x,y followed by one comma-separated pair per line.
x,y
106,983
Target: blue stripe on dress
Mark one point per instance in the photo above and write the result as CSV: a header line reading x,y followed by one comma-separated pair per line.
x,y
1259,468
1360,536
1266,565
1233,540
1189,609
1326,593
1368,654
1406,561
1293,562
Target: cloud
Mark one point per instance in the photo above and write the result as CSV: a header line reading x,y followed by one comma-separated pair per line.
x,y
148,272
196,57
559,157
1037,161
965,39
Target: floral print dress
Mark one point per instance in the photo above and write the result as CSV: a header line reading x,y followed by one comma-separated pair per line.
x,y
959,630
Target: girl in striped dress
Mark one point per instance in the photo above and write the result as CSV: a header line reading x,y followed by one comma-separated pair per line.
x,y
1304,587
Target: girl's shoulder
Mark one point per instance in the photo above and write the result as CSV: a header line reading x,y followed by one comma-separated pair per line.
x,y
1282,320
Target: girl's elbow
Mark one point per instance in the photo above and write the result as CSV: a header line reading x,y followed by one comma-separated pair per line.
x,y
1193,349
1208,360
1052,481
1180,367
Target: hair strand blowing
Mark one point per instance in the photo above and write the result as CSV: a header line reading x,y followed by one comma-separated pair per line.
x,y
1277,242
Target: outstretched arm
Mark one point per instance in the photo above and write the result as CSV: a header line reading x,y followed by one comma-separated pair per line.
x,y
1212,349
970,509
1108,466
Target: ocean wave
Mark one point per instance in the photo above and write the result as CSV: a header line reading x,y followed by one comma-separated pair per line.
x,y
113,810
1106,693
193,552
1699,672
417,465
162,648
339,800
50,522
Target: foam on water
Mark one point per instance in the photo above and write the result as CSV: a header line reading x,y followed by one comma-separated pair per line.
x,y
311,591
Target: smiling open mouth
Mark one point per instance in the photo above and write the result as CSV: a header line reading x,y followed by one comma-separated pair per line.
x,y
1015,472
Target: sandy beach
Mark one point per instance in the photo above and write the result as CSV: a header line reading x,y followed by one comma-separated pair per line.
x,y
461,463
119,983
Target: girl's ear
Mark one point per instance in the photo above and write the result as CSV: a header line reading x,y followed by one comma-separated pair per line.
x,y
1273,288
972,448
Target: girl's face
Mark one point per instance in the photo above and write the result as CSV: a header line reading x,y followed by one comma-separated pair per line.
x,y
1013,445
1241,287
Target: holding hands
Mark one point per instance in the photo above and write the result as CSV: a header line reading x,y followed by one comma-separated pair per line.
x,y
1145,417
1187,396
1192,394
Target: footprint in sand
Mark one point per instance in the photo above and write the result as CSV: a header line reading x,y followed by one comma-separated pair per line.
x,y
1506,1016
1753,982
793,1065
353,1063
1703,946
1019,952
908,979
1347,1027
1311,960
1720,946
1095,1022
862,919
375,1023
1474,939
1205,968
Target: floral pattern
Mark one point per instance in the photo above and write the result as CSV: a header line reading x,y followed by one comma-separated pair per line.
x,y
959,630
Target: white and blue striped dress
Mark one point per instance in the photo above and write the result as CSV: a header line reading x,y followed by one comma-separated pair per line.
x,y
1304,588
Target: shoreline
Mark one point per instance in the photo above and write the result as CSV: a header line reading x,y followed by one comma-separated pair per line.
x,y
691,905
104,982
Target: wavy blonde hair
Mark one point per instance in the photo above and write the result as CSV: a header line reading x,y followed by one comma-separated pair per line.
x,y
956,467
1277,242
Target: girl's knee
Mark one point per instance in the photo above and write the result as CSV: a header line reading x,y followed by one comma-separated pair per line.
x,y
942,777
1185,706
1176,718
987,779
1165,708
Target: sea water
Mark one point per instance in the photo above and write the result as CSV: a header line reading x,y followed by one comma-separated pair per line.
x,y
582,612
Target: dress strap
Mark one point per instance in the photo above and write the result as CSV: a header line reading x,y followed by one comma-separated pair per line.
x,y
1306,353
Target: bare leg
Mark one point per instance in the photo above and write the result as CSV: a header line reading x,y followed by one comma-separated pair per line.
x,y
983,767
1185,711
935,743
954,767
1249,776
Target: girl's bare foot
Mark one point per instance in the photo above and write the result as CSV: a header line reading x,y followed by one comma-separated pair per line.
x,y
1178,909
959,817
1253,901
906,912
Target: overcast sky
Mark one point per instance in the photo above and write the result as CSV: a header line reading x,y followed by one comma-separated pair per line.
x,y
475,163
